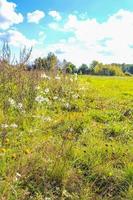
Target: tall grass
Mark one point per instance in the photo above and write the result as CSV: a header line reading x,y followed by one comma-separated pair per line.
x,y
64,137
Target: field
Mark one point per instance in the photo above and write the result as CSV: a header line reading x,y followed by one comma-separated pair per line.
x,y
65,137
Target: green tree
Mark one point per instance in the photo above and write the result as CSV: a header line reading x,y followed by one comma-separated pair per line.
x,y
52,61
83,69
69,67
108,70
93,65
40,63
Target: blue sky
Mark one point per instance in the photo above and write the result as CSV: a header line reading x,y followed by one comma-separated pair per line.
x,y
77,30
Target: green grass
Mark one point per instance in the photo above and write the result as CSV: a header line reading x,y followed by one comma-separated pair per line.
x,y
75,144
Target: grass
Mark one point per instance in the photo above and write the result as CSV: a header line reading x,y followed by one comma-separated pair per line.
x,y
64,137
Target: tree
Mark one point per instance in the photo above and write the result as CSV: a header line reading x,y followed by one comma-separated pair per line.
x,y
93,65
40,63
108,70
49,63
83,69
69,67
52,61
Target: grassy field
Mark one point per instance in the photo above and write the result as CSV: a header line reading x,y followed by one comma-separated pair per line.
x,y
65,137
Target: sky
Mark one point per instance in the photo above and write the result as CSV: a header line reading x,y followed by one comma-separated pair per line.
x,y
79,31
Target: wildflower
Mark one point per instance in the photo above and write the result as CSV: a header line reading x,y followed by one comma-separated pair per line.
x,y
47,119
12,102
55,98
67,106
45,76
71,79
46,90
66,194
20,106
57,77
39,99
18,174
46,99
4,126
71,129
75,96
14,126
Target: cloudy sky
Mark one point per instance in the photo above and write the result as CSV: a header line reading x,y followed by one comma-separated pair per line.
x,y
77,30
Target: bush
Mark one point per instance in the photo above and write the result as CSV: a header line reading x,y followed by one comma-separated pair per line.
x,y
108,70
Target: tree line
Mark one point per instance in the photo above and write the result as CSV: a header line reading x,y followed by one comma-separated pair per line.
x,y
51,62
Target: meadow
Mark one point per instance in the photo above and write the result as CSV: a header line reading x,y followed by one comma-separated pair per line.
x,y
65,137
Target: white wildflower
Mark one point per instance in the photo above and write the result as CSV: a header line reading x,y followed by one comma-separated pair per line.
x,y
67,105
46,90
46,100
47,119
14,125
39,99
12,102
75,96
4,126
47,198
20,106
18,174
45,76
57,77
71,79
55,98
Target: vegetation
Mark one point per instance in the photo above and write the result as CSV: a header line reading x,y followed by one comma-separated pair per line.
x,y
108,70
95,68
65,136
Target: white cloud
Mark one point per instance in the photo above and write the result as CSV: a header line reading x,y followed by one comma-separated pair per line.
x,y
35,17
16,39
54,26
56,15
8,14
110,41
42,37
